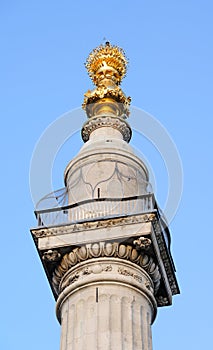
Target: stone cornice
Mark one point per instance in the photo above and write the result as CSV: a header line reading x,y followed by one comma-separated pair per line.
x,y
166,258
52,253
41,232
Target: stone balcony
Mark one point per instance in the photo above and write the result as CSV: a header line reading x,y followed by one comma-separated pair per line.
x,y
62,228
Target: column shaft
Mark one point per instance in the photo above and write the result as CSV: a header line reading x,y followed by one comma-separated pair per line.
x,y
107,315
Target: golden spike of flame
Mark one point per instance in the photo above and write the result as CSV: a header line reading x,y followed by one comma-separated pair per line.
x,y
108,59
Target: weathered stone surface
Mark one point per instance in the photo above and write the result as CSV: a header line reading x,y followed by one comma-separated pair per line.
x,y
108,260
106,304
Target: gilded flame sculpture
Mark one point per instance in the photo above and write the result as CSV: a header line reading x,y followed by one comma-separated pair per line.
x,y
107,58
106,66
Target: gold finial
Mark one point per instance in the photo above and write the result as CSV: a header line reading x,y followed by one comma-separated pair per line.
x,y
107,61
106,66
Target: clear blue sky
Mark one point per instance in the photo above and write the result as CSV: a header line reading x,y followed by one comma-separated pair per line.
x,y
43,47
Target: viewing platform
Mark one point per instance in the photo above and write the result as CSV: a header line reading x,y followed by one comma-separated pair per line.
x,y
95,208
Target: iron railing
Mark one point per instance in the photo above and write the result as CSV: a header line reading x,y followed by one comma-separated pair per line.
x,y
96,208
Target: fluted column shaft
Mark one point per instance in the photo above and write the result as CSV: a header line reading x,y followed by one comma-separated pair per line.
x,y
106,304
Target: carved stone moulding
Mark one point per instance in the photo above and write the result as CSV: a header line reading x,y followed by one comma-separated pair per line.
x,y
102,121
51,256
103,271
91,225
169,268
107,250
142,243
106,269
43,237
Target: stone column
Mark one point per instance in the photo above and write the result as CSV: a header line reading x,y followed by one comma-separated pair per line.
x,y
107,292
106,298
